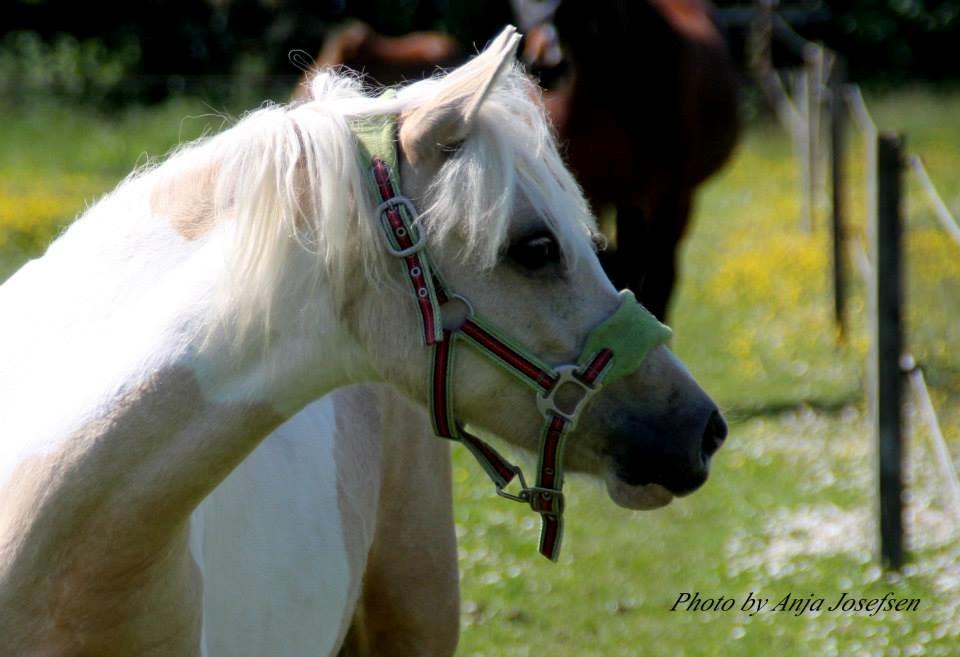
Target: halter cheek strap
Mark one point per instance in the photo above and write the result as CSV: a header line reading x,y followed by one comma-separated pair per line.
x,y
402,238
613,349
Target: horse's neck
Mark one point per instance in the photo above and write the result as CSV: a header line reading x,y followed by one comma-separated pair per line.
x,y
120,413
124,295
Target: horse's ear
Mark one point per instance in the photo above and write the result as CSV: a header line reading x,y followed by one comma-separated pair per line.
x,y
446,119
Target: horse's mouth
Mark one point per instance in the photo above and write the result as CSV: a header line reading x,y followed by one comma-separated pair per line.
x,y
637,497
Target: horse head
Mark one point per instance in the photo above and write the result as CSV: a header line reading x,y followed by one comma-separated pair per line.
x,y
507,226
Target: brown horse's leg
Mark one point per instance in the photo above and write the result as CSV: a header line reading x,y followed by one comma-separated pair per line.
x,y
410,604
629,268
647,243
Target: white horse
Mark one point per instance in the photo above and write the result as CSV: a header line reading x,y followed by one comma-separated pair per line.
x,y
173,480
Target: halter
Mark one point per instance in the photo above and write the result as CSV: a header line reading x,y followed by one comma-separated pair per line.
x,y
613,349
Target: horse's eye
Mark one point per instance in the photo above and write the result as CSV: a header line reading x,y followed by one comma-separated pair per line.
x,y
535,252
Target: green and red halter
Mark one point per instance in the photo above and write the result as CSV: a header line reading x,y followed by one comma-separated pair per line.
x,y
613,349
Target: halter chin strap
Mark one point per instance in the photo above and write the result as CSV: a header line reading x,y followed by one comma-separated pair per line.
x,y
613,349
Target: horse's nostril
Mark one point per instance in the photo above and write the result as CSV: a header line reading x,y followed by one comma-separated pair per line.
x,y
714,434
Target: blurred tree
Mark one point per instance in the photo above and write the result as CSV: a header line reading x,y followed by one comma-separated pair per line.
x,y
881,39
899,37
151,48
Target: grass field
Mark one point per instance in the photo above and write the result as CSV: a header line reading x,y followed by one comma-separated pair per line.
x,y
789,507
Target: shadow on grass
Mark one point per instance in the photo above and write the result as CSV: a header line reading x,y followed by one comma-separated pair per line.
x,y
741,413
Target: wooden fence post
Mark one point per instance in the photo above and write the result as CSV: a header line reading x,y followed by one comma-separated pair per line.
x,y
887,290
837,161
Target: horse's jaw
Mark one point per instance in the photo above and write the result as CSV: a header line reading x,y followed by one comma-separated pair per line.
x,y
641,497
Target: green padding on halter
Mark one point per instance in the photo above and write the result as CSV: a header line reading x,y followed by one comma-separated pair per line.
x,y
630,333
376,136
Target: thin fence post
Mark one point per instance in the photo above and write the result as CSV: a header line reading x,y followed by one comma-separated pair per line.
x,y
815,67
861,115
837,162
887,290
803,142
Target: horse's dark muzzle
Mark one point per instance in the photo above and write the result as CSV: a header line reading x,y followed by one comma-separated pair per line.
x,y
713,435
652,453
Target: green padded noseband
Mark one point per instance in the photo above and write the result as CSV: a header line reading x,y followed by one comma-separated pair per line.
x,y
630,333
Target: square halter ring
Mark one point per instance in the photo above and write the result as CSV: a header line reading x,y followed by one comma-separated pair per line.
x,y
568,396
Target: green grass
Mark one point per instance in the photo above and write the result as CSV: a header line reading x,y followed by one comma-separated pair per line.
x,y
789,507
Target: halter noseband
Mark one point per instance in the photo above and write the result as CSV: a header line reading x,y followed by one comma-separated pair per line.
x,y
613,349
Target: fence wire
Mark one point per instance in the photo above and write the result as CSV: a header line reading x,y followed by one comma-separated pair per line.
x,y
940,208
924,405
859,111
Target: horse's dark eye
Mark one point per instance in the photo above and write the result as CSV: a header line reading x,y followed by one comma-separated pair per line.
x,y
535,252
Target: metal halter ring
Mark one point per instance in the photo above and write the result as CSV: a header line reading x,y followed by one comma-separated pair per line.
x,y
407,204
451,323
523,495
546,402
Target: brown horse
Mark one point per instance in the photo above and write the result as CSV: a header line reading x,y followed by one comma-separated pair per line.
x,y
648,111
643,95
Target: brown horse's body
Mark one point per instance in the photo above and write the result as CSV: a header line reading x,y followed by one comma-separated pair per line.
x,y
648,111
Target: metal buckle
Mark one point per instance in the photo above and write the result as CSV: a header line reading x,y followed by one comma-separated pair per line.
x,y
404,202
565,374
523,495
547,501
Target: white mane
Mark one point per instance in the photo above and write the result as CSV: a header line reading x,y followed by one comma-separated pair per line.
x,y
289,181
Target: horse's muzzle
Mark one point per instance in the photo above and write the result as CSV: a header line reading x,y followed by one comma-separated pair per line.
x,y
670,452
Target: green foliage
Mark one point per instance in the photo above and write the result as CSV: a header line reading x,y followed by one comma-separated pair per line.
x,y
882,21
897,37
65,67
151,50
